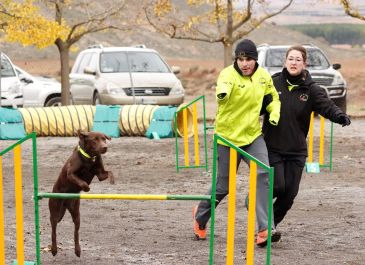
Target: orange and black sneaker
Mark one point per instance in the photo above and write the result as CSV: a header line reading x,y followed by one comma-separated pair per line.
x,y
261,238
199,231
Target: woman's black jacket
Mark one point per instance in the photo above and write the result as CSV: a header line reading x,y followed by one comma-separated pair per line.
x,y
289,136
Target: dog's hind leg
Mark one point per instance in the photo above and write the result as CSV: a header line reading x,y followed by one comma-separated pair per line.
x,y
75,213
57,211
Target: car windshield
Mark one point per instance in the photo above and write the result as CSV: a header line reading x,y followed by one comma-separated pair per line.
x,y
6,69
116,62
316,60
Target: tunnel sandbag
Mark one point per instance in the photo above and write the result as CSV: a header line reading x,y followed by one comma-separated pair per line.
x,y
180,121
11,124
106,120
160,126
58,121
134,120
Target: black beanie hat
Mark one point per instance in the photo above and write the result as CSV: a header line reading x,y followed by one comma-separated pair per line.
x,y
246,48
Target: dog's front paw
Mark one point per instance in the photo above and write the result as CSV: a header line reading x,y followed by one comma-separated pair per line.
x,y
85,187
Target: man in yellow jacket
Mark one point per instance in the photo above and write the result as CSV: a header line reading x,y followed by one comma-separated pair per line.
x,y
240,90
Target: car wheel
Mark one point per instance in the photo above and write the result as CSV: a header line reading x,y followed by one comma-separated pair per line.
x,y
341,103
53,102
96,99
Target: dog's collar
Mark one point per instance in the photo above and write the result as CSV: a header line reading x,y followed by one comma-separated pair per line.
x,y
85,154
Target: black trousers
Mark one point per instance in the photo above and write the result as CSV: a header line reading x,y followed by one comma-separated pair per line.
x,y
288,171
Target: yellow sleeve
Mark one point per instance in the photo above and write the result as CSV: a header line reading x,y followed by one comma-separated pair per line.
x,y
224,86
274,107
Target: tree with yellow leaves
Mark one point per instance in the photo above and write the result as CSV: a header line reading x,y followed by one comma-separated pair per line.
x,y
351,10
224,21
73,19
22,22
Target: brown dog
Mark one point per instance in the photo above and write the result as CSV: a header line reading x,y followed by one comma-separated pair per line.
x,y
76,175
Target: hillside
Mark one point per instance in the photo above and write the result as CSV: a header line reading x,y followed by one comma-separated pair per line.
x,y
200,62
172,48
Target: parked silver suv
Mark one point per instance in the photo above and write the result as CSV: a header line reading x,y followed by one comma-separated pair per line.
x,y
272,58
124,75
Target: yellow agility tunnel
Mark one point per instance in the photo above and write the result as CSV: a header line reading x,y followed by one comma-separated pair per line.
x,y
134,120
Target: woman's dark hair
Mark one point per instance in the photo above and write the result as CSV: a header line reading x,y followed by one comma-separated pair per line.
x,y
298,48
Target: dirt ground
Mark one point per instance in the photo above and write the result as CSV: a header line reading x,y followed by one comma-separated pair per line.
x,y
326,225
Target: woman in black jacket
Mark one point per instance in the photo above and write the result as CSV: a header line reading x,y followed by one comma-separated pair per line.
x,y
286,142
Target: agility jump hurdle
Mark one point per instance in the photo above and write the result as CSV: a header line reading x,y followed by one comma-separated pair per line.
x,y
230,235
250,247
138,197
185,130
18,200
37,196
320,163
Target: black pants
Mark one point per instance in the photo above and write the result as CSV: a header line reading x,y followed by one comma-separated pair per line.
x,y
288,171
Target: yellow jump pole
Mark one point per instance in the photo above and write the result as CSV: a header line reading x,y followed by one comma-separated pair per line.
x,y
310,144
19,205
196,136
186,143
231,205
251,215
321,142
2,220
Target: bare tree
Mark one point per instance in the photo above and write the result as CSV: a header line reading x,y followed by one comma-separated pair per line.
x,y
88,17
214,20
351,11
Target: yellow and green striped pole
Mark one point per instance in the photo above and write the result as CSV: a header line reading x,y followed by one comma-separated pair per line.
x,y
321,142
19,205
231,205
250,249
196,136
139,197
186,142
184,111
310,141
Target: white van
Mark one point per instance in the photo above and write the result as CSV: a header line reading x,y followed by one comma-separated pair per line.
x,y
124,75
10,92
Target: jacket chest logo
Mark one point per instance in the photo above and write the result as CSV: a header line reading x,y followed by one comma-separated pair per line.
x,y
303,97
241,85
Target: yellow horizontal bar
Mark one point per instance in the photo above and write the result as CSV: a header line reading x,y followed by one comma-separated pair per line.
x,y
123,196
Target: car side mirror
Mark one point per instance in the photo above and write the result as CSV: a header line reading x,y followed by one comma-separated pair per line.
x,y
89,70
336,66
25,79
175,69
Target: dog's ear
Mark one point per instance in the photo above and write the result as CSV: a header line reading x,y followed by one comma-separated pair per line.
x,y
107,137
82,135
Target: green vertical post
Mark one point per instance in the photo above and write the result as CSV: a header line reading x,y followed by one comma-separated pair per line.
x,y
270,214
35,198
212,200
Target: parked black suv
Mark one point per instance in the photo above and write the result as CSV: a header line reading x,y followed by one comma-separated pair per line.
x,y
272,58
